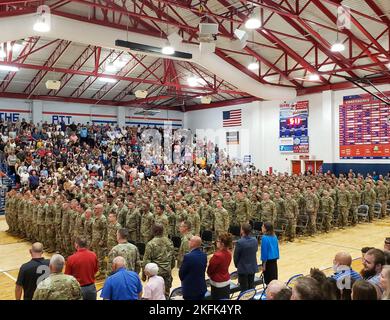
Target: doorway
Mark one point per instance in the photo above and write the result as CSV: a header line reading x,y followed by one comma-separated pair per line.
x,y
296,167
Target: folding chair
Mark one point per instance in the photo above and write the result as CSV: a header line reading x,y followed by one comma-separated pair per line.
x,y
363,212
236,233
176,294
234,286
377,210
388,207
291,282
335,218
256,231
302,223
207,241
247,294
259,279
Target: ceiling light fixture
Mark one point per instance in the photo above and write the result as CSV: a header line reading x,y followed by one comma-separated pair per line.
x,y
254,65
43,22
108,80
253,21
314,77
168,49
8,68
337,46
110,67
119,63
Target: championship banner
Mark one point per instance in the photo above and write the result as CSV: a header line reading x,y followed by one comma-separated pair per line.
x,y
293,123
364,129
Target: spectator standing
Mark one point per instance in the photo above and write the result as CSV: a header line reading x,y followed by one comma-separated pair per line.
x,y
58,286
29,273
218,269
363,290
269,253
385,282
192,271
83,265
122,284
155,287
245,258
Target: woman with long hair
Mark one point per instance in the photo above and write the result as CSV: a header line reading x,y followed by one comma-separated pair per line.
x,y
218,269
269,253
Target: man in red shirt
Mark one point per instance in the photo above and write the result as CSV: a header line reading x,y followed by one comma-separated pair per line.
x,y
83,265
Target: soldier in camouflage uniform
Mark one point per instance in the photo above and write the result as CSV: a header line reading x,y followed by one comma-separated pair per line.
x,y
66,246
242,211
355,203
49,224
185,231
206,216
268,209
382,195
230,206
133,222
194,219
58,286
123,211
327,207
88,222
112,229
78,230
291,212
161,218
279,204
72,221
20,210
344,201
221,218
57,224
28,217
369,199
41,221
126,250
180,215
160,250
147,221
312,205
99,238
300,200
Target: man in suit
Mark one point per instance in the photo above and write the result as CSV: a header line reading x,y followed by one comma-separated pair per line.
x,y
245,258
192,271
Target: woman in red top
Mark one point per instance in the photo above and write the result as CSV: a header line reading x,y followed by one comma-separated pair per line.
x,y
218,269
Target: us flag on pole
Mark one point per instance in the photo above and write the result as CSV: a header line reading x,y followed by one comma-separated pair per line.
x,y
231,118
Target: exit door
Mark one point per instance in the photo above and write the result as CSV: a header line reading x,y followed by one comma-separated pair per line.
x,y
296,167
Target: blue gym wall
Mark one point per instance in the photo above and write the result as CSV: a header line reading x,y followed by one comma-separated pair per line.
x,y
362,168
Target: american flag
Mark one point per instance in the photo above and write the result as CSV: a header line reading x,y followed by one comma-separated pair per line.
x,y
231,118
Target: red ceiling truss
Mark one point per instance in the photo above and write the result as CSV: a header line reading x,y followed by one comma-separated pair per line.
x,y
287,25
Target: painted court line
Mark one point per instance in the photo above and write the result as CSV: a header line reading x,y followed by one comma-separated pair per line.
x,y
334,245
8,275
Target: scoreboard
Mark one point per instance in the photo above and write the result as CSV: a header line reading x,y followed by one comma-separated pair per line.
x,y
364,131
293,135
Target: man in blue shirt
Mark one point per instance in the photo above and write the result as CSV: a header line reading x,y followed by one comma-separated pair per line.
x,y
123,284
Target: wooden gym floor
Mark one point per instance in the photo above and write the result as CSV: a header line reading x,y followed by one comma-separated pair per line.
x,y
296,257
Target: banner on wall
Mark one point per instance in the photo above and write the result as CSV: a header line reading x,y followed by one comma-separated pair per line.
x,y
233,137
364,128
14,115
293,127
